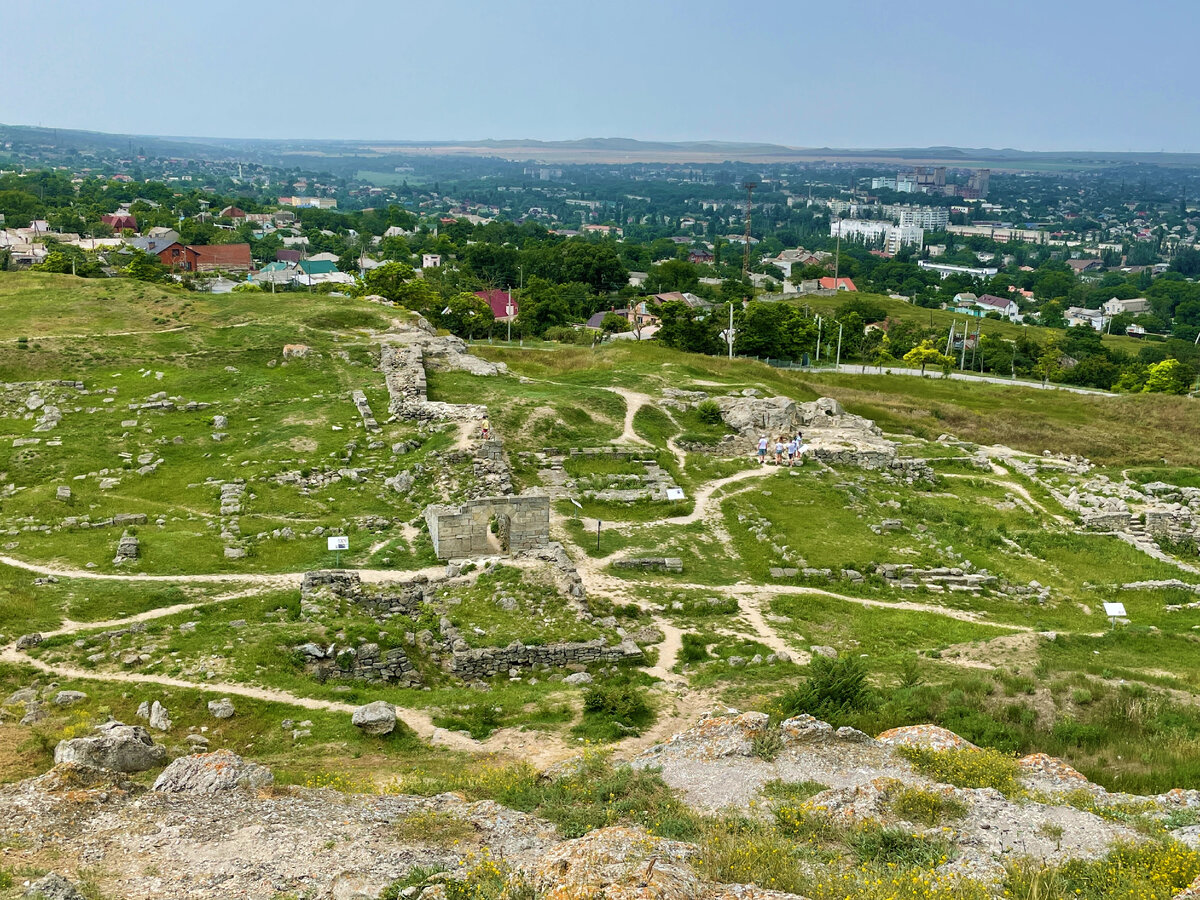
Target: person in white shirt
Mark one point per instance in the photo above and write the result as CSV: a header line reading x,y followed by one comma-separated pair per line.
x,y
762,450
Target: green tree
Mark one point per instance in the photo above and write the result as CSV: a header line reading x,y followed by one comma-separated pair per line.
x,y
145,267
926,354
683,328
1169,377
388,280
613,323
542,306
466,316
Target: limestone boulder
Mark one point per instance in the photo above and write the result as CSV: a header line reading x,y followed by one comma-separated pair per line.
x,y
221,709
212,773
53,887
115,746
375,718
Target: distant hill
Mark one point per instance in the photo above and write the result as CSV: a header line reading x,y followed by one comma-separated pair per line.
x,y
52,141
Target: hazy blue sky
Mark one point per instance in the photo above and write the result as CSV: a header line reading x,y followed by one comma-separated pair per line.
x,y
1030,74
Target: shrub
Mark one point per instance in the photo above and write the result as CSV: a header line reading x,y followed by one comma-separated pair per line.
x,y
834,686
479,719
564,334
926,807
1154,870
965,768
694,648
613,711
792,791
767,744
433,827
709,412
874,843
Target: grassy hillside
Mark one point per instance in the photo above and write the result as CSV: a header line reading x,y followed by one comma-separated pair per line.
x,y
1137,429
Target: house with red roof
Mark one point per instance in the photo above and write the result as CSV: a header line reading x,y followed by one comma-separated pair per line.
x,y
119,221
205,258
840,284
503,306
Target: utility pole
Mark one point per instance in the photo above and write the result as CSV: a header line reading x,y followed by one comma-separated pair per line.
x,y
819,324
749,186
729,333
837,256
838,362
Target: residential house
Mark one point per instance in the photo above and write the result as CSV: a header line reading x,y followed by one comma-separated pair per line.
x,y
334,277
607,230
504,307
700,257
1135,306
309,202
966,298
430,260
119,221
232,212
198,258
285,255
222,257
1080,266
1077,315
637,279
840,284
685,297
314,266
1006,306
597,319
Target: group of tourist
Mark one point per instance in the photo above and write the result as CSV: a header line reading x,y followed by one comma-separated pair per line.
x,y
787,450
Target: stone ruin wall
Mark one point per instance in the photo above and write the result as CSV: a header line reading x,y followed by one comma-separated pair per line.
x,y
462,531
486,662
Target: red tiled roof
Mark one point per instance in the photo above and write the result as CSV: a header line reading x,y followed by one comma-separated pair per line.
x,y
498,300
222,254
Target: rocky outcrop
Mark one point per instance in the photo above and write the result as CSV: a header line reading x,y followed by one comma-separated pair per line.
x,y
115,746
623,863
212,773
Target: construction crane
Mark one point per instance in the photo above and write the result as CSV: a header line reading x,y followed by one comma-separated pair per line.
x,y
749,186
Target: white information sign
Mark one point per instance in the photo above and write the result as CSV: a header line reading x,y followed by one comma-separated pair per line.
x,y
339,543
1114,610
675,493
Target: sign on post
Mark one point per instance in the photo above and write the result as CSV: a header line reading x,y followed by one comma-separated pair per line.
x,y
1114,611
675,493
337,544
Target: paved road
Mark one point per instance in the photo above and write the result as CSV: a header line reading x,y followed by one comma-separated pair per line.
x,y
848,369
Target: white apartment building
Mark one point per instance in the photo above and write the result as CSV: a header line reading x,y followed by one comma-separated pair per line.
x,y
869,230
931,218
